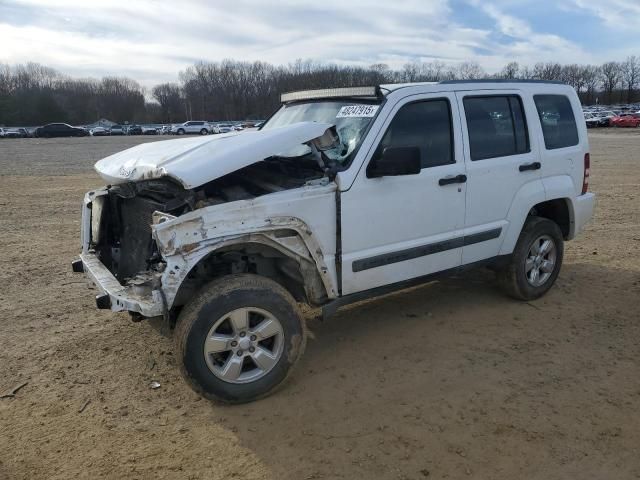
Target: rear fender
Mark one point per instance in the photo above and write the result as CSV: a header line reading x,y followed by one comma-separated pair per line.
x,y
562,186
531,194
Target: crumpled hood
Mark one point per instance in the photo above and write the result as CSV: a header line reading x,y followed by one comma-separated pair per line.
x,y
196,161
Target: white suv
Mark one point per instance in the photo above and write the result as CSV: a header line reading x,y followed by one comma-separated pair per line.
x,y
342,195
201,128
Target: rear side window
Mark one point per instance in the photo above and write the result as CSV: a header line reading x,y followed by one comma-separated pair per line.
x,y
426,125
496,125
557,120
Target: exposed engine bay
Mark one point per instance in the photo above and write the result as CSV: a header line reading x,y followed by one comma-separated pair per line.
x,y
121,221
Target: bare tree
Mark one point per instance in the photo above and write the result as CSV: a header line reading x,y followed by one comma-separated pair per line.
x,y
510,71
470,71
611,75
169,97
631,75
592,78
547,71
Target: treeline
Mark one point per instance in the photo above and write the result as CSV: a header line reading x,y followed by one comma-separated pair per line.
x,y
34,94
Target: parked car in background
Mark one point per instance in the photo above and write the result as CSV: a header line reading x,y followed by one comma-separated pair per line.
x,y
164,130
199,127
225,128
592,120
60,130
99,132
149,131
605,117
1,132
116,130
134,130
15,133
626,120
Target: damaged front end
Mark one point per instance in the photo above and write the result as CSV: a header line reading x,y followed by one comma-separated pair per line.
x,y
142,239
118,251
180,213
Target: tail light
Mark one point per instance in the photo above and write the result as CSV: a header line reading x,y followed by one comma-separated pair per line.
x,y
587,168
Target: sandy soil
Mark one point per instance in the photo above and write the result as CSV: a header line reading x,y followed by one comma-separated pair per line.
x,y
449,380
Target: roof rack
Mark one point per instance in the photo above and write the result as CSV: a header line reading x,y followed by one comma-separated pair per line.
x,y
501,80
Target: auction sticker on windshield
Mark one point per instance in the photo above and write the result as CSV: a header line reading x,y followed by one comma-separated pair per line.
x,y
357,111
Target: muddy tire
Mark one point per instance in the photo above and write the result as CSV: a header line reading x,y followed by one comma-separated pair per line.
x,y
535,262
239,338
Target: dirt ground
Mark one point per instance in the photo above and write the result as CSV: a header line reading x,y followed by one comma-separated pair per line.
x,y
449,380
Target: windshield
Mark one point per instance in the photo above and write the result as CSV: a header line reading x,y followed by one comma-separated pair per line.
x,y
351,118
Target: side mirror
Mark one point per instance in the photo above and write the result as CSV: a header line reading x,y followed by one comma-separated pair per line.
x,y
395,161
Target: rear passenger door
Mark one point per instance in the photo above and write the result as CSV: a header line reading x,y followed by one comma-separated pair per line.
x,y
562,151
500,159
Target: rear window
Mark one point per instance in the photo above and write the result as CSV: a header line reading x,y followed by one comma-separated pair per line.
x,y
557,120
496,125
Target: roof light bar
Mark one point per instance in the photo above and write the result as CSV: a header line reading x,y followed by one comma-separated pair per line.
x,y
330,93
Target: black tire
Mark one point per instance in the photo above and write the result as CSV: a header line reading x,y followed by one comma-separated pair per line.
x,y
204,131
181,131
513,278
214,301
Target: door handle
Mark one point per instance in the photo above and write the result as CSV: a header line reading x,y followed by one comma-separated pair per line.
x,y
530,166
452,179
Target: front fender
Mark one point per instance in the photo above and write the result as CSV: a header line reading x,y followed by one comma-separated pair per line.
x,y
183,244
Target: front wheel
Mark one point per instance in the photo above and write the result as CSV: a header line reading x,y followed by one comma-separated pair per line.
x,y
536,260
239,338
181,132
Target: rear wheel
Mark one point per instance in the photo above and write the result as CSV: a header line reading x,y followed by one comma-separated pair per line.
x,y
239,338
536,260
204,131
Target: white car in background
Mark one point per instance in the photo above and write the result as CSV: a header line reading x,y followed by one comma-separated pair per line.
x,y
225,128
99,132
199,127
591,119
1,132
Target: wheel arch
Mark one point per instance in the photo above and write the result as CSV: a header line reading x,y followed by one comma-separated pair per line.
x,y
548,198
280,255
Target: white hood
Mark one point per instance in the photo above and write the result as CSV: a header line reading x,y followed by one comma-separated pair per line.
x,y
196,161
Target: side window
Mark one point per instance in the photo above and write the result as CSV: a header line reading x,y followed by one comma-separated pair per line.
x,y
496,125
188,124
426,125
557,120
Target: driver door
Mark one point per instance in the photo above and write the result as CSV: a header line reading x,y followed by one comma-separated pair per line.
x,y
400,227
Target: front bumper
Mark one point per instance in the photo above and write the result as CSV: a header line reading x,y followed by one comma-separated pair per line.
x,y
129,298
135,297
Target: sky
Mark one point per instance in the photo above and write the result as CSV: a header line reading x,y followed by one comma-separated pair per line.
x,y
153,40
